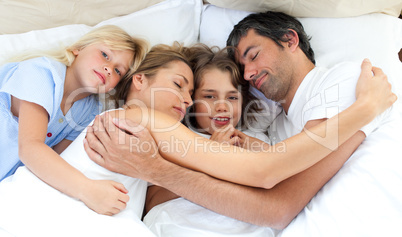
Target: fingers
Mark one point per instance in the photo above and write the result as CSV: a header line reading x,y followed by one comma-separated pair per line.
x,y
128,126
378,72
102,130
227,134
120,187
117,129
121,199
94,156
366,66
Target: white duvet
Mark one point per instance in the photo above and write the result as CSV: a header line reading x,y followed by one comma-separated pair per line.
x,y
30,207
363,199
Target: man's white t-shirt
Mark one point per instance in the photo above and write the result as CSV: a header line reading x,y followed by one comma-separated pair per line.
x,y
322,94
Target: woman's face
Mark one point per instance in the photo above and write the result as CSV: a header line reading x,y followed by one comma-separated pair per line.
x,y
170,90
217,102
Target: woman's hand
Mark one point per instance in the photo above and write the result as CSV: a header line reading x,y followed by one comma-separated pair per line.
x,y
373,89
104,196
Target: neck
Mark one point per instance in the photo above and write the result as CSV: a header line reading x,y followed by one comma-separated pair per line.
x,y
72,92
300,73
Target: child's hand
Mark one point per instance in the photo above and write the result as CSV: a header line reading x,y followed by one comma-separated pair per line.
x,y
226,134
105,196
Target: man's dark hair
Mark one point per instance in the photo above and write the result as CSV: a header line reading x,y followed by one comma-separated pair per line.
x,y
273,25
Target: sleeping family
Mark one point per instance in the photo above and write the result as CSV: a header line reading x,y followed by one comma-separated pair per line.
x,y
186,127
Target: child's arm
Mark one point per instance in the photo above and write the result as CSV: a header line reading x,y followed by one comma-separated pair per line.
x,y
102,196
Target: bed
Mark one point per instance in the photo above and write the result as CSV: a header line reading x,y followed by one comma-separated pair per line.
x,y
340,31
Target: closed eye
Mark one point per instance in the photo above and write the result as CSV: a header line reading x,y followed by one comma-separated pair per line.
x,y
177,84
255,56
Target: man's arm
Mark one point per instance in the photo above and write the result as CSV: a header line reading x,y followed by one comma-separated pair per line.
x,y
274,207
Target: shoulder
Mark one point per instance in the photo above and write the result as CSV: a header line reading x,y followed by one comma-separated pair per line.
x,y
44,62
343,71
43,67
341,75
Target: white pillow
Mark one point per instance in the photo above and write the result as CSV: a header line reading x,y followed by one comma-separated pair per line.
x,y
315,8
164,22
375,36
19,16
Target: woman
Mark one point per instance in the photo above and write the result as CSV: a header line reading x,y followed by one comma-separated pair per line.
x,y
30,207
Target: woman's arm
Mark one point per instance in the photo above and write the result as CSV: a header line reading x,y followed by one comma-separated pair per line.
x,y
238,165
105,197
262,169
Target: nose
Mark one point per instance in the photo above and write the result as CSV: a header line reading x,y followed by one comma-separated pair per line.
x,y
221,106
107,70
249,72
188,101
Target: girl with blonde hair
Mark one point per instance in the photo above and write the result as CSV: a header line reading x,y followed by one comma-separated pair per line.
x,y
47,99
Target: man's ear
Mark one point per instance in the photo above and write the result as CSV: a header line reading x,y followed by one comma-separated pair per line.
x,y
292,39
139,81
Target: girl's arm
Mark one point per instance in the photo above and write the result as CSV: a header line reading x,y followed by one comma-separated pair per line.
x,y
266,169
105,197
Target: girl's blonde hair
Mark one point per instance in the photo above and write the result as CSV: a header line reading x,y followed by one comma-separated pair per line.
x,y
113,36
160,56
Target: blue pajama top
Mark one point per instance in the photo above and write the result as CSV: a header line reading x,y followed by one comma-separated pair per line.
x,y
41,81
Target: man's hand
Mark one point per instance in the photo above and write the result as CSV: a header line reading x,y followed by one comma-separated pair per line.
x,y
120,146
374,89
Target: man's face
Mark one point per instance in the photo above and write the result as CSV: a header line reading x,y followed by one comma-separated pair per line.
x,y
266,65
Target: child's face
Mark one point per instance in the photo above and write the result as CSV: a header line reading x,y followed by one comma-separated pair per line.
x,y
217,102
98,68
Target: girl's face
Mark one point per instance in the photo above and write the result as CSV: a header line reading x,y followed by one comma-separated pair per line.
x,y
98,69
217,102
170,90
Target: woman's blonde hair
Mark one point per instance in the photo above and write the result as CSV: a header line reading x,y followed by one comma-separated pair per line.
x,y
113,36
160,56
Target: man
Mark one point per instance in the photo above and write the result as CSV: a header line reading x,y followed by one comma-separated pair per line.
x,y
277,69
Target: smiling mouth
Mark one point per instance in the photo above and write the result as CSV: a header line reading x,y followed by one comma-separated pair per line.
x,y
221,119
259,81
101,77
